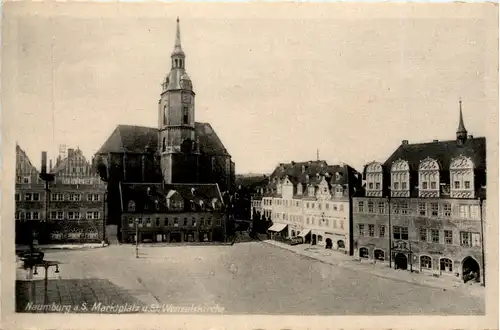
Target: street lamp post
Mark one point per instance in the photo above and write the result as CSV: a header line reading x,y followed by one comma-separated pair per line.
x,y
137,238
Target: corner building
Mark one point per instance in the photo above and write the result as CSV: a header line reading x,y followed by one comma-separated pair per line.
x,y
312,200
423,208
178,150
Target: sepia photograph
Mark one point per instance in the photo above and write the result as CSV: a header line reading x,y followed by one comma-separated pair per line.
x,y
194,160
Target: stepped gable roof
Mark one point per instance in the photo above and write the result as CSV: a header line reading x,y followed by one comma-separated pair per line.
x,y
442,151
135,139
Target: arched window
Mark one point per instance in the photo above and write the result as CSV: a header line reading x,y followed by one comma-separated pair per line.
x,y
379,255
131,206
446,265
340,244
180,63
425,262
164,145
363,252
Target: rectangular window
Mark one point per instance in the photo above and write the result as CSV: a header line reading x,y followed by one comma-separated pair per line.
x,y
435,235
433,185
463,211
370,207
448,237
475,240
60,215
447,210
96,215
89,215
423,234
404,233
424,185
361,229
36,196
371,230
403,185
404,207
334,223
185,223
157,222
71,215
131,222
474,212
457,184
341,224
148,222
396,232
395,207
17,197
60,197
219,222
209,222
465,239
17,216
377,185
381,231
89,197
434,209
341,207
422,209
381,207
396,185
26,179
28,197
467,184
360,207
53,215
28,215
327,206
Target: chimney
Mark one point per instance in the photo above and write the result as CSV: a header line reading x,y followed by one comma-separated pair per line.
x,y
50,165
292,162
405,142
470,136
44,162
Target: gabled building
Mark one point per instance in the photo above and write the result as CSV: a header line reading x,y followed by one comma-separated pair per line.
x,y
178,150
172,212
424,207
71,210
312,200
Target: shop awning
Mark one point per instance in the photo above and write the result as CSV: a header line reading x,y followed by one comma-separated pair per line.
x,y
304,233
277,227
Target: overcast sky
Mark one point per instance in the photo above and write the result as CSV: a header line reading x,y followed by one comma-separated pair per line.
x,y
276,82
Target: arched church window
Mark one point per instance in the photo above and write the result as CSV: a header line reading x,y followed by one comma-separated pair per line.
x,y
180,63
176,63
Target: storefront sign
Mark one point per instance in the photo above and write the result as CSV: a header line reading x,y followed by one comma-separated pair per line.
x,y
434,252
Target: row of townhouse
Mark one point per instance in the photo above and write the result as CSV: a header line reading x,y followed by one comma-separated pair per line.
x,y
310,200
71,209
423,209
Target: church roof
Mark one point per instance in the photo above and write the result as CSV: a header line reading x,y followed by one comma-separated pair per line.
x,y
442,151
134,139
131,139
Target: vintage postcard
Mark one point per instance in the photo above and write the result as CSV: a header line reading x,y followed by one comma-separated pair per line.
x,y
249,166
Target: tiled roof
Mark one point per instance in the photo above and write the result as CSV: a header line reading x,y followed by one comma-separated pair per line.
x,y
442,151
158,192
135,139
132,139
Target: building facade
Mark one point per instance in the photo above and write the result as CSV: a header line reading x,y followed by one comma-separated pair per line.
x,y
423,208
312,200
178,150
172,213
71,210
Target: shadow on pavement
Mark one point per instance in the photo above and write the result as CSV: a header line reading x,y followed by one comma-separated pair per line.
x,y
74,296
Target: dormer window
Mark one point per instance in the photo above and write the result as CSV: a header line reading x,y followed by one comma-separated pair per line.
x,y
400,178
131,206
428,178
374,179
462,177
299,189
311,191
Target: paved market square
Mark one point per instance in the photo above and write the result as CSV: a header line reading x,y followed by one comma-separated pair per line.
x,y
246,278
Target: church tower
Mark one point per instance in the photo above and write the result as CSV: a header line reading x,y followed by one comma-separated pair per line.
x,y
176,122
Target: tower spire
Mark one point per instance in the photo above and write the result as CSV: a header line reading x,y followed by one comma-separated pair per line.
x,y
177,47
461,131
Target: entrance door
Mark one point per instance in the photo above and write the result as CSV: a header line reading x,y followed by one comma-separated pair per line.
x,y
329,243
470,270
400,261
313,242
